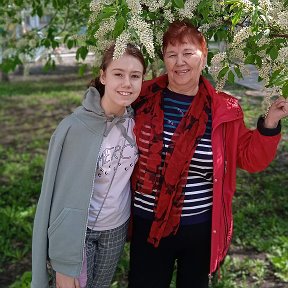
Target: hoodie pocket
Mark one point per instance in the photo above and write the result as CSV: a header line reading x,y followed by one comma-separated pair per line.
x,y
65,236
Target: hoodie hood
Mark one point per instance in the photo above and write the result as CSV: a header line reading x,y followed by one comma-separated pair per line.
x,y
91,111
92,103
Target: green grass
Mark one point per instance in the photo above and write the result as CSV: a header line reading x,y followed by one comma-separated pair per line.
x,y
29,113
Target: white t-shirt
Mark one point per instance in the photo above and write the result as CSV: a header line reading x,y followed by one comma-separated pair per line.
x,y
116,161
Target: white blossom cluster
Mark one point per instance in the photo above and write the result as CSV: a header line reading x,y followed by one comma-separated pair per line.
x,y
188,10
244,69
134,6
265,70
240,36
96,6
121,44
32,43
6,53
282,20
106,26
21,43
159,37
217,63
168,15
276,13
263,41
282,55
265,4
144,32
237,54
79,37
207,26
248,4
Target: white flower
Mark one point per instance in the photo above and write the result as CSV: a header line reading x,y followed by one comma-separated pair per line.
x,y
188,10
265,4
282,55
106,26
168,15
121,44
144,32
248,4
207,26
241,36
217,63
134,6
265,70
21,43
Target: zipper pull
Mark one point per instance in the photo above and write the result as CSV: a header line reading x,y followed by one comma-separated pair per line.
x,y
210,280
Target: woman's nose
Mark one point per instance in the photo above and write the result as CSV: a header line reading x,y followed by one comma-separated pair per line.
x,y
179,60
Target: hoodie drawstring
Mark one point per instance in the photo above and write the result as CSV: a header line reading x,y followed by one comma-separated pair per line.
x,y
118,122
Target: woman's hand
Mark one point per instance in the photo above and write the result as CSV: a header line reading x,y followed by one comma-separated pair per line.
x,y
277,111
64,281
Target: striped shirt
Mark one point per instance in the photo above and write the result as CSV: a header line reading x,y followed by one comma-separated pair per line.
x,y
197,205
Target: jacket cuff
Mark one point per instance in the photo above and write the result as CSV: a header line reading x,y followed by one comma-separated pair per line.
x,y
267,131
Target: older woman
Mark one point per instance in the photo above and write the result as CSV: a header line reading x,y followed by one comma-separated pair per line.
x,y
191,139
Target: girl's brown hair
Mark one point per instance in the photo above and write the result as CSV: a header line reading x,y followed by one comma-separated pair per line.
x,y
107,58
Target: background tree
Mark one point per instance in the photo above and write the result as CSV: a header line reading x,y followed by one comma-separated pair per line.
x,y
20,42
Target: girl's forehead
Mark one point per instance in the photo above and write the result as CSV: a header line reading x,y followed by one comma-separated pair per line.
x,y
126,62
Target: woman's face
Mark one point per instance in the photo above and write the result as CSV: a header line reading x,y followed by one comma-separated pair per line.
x,y
184,63
123,80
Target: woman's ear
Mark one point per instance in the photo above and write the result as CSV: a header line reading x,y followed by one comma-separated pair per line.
x,y
102,77
204,62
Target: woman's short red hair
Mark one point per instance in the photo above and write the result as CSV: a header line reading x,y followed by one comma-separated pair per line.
x,y
181,31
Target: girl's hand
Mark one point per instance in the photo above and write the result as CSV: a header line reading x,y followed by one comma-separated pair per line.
x,y
64,281
277,111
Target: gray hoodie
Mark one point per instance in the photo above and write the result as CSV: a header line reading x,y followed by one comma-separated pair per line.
x,y
61,216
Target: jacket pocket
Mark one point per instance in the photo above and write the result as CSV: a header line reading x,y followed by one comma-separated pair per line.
x,y
65,236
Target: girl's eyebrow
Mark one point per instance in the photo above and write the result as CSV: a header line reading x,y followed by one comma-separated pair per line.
x,y
123,70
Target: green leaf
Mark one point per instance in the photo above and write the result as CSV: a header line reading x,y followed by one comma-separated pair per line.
x,y
82,69
46,42
231,77
237,17
39,11
285,90
55,44
258,60
238,72
70,43
250,59
119,27
273,52
223,72
81,52
179,3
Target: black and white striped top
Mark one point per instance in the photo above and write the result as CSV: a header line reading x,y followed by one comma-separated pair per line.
x,y
197,205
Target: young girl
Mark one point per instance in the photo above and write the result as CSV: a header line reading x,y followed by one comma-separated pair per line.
x,y
82,215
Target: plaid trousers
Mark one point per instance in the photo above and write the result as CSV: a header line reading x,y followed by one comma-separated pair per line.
x,y
103,251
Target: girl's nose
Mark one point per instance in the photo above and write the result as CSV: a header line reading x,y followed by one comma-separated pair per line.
x,y
126,81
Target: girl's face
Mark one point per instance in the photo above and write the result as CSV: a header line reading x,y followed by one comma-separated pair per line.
x,y
123,80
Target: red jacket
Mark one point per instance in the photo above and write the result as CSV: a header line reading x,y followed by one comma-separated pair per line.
x,y
233,146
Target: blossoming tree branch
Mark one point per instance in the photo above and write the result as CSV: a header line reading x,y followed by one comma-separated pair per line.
x,y
252,32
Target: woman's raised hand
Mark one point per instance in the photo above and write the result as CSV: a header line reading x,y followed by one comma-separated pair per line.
x,y
277,111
